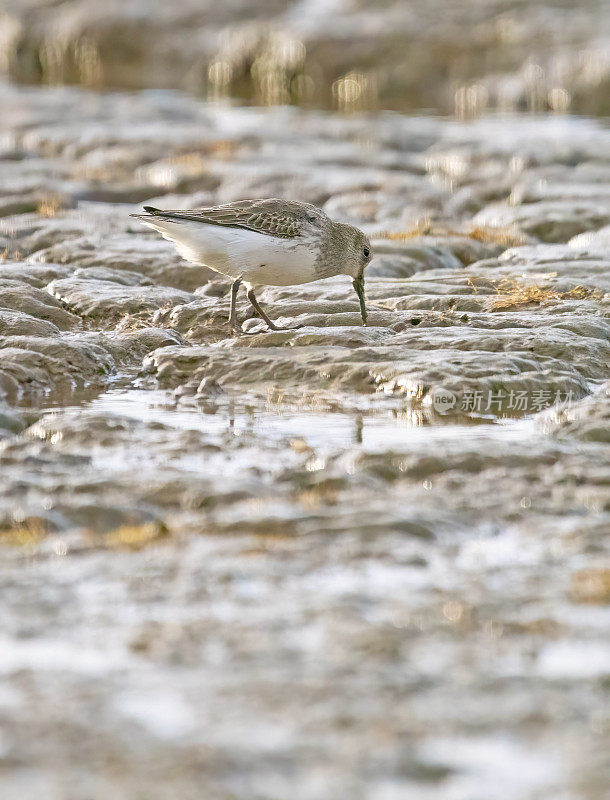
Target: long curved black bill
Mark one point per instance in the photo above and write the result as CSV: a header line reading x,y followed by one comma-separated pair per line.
x,y
359,287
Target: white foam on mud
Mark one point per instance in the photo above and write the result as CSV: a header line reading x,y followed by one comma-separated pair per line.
x,y
161,713
574,660
485,767
55,655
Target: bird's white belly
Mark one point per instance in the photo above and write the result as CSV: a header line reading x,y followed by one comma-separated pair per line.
x,y
257,258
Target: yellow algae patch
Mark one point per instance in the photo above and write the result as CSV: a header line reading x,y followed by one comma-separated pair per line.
x,y
509,236
591,586
422,227
513,293
133,537
26,534
49,206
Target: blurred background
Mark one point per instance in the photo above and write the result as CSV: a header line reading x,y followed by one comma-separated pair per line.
x,y
442,56
247,569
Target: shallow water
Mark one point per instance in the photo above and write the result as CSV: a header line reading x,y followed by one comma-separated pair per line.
x,y
371,432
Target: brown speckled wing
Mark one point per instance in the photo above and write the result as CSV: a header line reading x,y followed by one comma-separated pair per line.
x,y
272,217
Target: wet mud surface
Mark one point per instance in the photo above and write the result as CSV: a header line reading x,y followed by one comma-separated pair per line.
x,y
329,561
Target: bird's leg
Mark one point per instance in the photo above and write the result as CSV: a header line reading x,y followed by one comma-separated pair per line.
x,y
270,323
233,313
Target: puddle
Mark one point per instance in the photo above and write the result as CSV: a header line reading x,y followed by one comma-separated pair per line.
x,y
376,431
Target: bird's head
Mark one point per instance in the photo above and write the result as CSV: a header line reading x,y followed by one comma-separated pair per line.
x,y
356,253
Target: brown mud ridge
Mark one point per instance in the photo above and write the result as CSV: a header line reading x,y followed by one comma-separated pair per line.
x,y
357,561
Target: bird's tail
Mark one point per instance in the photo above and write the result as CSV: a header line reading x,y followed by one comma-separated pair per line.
x,y
159,216
151,211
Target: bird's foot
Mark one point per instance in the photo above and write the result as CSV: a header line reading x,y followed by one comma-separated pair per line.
x,y
273,327
237,330
264,327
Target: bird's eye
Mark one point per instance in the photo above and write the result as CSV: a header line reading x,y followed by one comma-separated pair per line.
x,y
366,252
311,218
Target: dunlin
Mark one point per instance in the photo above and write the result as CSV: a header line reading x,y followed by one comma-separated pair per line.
x,y
265,243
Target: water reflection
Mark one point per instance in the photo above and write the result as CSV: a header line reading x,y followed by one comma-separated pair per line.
x,y
373,431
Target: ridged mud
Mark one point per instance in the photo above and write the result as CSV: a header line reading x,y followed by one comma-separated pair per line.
x,y
332,561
